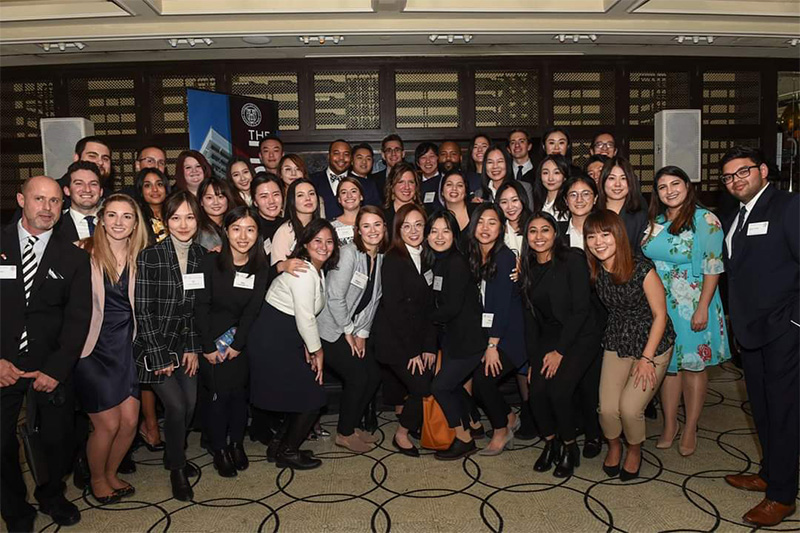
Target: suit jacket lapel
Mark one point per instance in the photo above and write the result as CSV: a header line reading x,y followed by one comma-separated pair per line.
x,y
174,265
10,249
44,264
758,214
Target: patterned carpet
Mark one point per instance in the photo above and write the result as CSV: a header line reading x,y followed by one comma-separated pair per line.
x,y
384,491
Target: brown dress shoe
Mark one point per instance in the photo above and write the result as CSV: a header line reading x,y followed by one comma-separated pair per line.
x,y
751,482
768,513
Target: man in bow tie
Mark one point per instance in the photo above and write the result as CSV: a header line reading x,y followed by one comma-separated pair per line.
x,y
45,301
327,181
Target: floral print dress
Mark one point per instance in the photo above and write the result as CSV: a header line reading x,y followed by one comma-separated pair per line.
x,y
681,261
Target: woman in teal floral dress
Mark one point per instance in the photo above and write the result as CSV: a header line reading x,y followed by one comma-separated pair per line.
x,y
684,241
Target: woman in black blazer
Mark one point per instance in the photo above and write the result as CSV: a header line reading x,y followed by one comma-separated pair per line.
x,y
458,313
491,264
167,346
564,336
620,192
405,338
235,283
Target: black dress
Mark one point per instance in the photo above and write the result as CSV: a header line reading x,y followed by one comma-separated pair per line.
x,y
108,377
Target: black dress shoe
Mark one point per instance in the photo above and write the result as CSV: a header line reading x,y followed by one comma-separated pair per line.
x,y
181,489
611,471
416,434
81,477
570,458
21,525
63,512
293,458
272,450
549,456
238,455
224,464
127,466
592,448
150,447
370,421
624,475
477,433
190,470
411,452
457,450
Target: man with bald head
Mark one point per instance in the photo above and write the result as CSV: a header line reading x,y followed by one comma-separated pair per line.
x,y
46,305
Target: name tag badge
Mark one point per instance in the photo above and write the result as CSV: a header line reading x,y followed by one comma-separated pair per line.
x,y
359,280
8,272
487,319
268,246
193,282
345,233
244,281
429,277
437,283
429,197
657,228
757,228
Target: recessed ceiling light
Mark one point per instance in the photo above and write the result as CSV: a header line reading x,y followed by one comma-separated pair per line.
x,y
257,39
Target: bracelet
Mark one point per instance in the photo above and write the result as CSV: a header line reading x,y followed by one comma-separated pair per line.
x,y
649,360
491,345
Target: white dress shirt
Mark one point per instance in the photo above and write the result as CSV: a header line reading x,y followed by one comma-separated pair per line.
x,y
38,247
513,239
303,297
334,179
80,222
527,167
749,205
575,236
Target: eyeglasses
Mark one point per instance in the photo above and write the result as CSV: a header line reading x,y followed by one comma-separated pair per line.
x,y
407,228
393,150
600,144
584,195
742,173
160,163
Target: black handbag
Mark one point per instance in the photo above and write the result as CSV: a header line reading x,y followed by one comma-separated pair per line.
x,y
32,441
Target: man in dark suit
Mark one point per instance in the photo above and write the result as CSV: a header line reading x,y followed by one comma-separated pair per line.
x,y
519,146
85,192
45,300
393,152
762,259
426,159
327,181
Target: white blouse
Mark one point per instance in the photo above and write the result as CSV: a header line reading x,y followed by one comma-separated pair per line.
x,y
303,297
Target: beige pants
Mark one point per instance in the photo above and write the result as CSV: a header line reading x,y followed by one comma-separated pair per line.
x,y
621,404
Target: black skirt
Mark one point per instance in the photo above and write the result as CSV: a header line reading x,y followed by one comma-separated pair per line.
x,y
280,378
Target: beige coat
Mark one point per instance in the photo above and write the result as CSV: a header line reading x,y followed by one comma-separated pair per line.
x,y
98,305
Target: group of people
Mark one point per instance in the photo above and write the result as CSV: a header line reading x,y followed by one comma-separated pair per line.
x,y
231,298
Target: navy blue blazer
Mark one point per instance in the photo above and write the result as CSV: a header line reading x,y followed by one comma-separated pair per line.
x,y
504,300
764,272
332,207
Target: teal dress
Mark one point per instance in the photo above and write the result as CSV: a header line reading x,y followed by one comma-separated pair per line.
x,y
681,261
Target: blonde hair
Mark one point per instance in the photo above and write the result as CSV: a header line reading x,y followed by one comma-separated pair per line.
x,y
97,245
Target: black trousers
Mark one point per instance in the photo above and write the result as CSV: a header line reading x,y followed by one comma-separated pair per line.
x,y
178,393
226,415
552,400
487,390
360,378
393,392
588,396
418,386
448,388
56,417
771,376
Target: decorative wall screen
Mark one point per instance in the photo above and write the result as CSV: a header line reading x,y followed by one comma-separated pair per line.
x,y
168,100
641,156
347,100
506,98
651,92
713,150
108,102
278,86
583,98
22,104
427,99
731,97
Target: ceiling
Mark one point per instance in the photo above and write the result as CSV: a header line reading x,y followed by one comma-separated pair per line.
x,y
81,31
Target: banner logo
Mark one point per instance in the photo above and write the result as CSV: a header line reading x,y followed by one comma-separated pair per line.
x,y
251,115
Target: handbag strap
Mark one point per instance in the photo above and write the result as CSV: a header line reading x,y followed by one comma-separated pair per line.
x,y
438,363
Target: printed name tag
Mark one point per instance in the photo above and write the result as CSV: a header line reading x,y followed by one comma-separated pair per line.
x,y
487,319
429,197
428,277
344,232
8,272
657,228
193,281
268,246
244,281
437,283
359,280
757,228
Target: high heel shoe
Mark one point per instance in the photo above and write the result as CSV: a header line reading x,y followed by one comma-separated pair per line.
x,y
664,444
624,475
611,471
159,447
569,460
550,455
686,451
507,445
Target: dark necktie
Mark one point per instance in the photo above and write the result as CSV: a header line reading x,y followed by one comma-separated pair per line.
x,y
519,172
90,222
740,224
29,265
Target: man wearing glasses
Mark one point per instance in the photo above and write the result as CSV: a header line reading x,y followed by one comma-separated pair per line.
x,y
151,156
762,259
603,144
393,152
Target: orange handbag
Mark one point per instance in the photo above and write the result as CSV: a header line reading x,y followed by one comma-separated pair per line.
x,y
436,432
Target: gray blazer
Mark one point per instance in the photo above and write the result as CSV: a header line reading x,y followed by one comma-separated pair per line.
x,y
343,297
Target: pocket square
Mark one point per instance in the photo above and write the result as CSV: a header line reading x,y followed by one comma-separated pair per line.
x,y
52,274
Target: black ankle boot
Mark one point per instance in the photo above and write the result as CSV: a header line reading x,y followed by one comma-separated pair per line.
x,y
240,460
181,489
369,422
570,458
289,457
277,439
224,464
550,455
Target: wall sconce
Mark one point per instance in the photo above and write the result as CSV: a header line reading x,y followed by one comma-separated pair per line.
x,y
695,39
190,41
575,38
62,46
450,38
322,39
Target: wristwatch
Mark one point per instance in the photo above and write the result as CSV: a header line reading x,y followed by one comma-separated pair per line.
x,y
491,345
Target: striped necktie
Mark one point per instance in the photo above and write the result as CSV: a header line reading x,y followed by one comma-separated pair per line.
x,y
29,266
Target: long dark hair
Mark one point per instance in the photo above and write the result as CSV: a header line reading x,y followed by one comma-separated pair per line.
x,y
484,271
528,256
228,171
291,207
579,178
138,191
553,130
685,218
540,191
633,201
523,198
487,193
602,221
308,233
180,179
452,224
460,174
256,257
471,166
394,176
